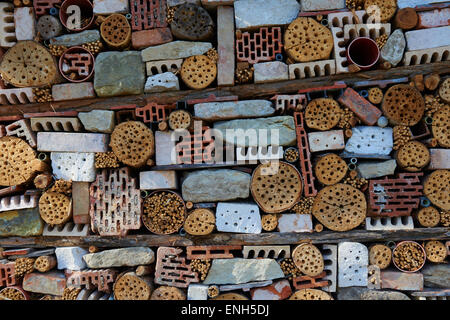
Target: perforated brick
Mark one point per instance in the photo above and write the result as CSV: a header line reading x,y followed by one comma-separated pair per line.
x,y
19,202
148,14
339,50
42,7
7,28
326,140
211,252
395,196
153,112
251,155
366,111
80,63
353,260
307,282
329,253
195,149
115,203
74,166
238,217
264,45
339,19
16,96
67,230
20,129
306,168
92,279
273,252
172,270
373,31
312,69
389,223
56,124
289,102
426,56
7,274
158,67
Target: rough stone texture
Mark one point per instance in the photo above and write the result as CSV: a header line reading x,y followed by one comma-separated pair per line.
x,y
98,120
80,202
293,222
47,283
279,290
369,170
225,48
439,159
172,3
355,293
76,39
70,258
238,270
197,292
164,148
146,38
175,50
215,185
259,13
326,140
119,73
21,223
213,111
428,38
317,5
74,166
370,141
353,259
436,275
398,280
72,142
270,72
154,180
166,81
25,23
238,217
123,257
393,50
72,91
414,3
111,6
282,127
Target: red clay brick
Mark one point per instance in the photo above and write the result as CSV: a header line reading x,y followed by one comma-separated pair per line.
x,y
307,282
42,7
211,252
153,37
254,47
366,111
197,150
153,112
172,270
7,274
148,14
92,279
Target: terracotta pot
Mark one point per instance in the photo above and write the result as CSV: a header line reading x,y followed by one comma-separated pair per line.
x,y
424,256
76,50
87,10
363,52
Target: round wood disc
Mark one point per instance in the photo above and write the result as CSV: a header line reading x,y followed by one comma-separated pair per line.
x,y
131,287
16,157
192,22
330,169
413,156
29,64
444,90
276,188
269,222
441,126
55,208
179,119
340,207
310,294
387,8
133,143
380,255
322,114
198,72
116,31
168,293
307,40
200,222
230,296
428,217
308,259
437,188
375,95
436,251
403,105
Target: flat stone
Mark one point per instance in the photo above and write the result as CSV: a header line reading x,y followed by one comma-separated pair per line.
x,y
414,3
238,217
270,72
72,142
215,185
294,222
238,270
436,275
439,159
225,49
119,73
353,260
163,82
245,286
369,170
73,91
175,50
428,38
326,140
259,13
71,258
394,48
370,141
98,120
76,39
123,257
318,5
164,148
355,293
155,180
21,223
213,111
25,23
146,38
403,281
74,166
269,131
279,290
197,292
111,6
47,283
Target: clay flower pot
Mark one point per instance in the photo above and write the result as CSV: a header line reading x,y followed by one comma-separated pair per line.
x,y
77,60
87,11
363,52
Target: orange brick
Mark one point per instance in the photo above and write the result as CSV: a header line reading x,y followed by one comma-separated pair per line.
x,y
152,37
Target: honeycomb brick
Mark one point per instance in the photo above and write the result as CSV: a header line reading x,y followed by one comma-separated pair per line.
x,y
92,279
148,14
158,67
305,164
7,28
172,270
7,274
373,31
329,253
197,148
16,96
339,19
289,102
211,252
18,202
264,45
312,69
20,129
42,7
426,56
56,124
307,282
153,112
115,203
392,197
389,223
81,63
67,230
339,52
366,111
273,252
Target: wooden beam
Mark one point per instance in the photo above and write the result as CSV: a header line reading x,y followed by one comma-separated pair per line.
x,y
248,91
272,238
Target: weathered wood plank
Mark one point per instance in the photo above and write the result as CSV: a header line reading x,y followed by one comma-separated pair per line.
x,y
272,238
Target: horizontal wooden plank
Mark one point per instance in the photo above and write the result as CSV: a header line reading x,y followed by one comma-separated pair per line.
x,y
272,238
248,91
